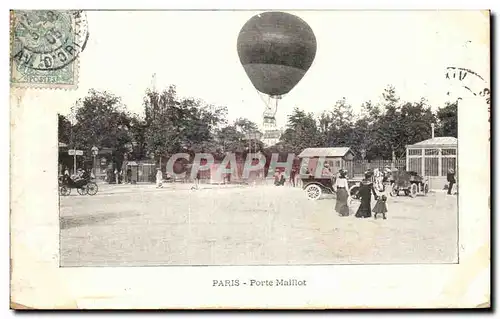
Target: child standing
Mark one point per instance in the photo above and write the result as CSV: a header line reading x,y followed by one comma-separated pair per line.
x,y
380,207
159,178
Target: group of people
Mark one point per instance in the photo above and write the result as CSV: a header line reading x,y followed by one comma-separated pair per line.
x,y
365,191
280,179
380,177
118,176
81,174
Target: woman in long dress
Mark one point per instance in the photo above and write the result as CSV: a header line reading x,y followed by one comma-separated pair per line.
x,y
341,187
378,178
366,190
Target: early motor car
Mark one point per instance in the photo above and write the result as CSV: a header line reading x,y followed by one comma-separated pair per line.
x,y
320,166
317,186
409,183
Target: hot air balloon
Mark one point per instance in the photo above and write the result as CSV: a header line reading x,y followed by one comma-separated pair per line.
x,y
276,49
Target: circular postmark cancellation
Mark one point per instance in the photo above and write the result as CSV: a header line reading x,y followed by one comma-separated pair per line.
x,y
47,40
470,81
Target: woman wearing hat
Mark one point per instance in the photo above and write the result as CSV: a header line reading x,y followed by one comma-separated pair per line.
x,y
451,180
341,188
366,190
326,172
387,173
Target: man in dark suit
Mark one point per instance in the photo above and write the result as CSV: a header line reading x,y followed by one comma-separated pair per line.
x,y
451,180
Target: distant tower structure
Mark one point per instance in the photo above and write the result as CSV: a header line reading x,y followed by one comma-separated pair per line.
x,y
271,132
153,88
153,82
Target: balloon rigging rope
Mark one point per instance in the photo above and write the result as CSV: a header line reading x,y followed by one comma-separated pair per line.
x,y
268,103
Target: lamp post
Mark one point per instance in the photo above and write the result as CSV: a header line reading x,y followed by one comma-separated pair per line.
x,y
94,151
363,155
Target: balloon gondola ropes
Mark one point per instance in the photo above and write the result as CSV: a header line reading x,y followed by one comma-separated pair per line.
x,y
276,49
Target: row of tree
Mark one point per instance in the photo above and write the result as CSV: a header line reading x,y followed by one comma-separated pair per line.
x,y
380,131
172,125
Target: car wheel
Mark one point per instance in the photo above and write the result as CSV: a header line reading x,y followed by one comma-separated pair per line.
x,y
313,192
65,190
353,192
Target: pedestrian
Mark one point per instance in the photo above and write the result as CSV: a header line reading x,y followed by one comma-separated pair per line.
x,y
197,180
129,174
282,178
277,177
326,172
387,174
159,178
116,176
365,192
342,190
293,174
378,179
380,207
66,176
451,180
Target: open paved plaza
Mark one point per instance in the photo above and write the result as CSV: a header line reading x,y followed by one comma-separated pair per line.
x,y
138,225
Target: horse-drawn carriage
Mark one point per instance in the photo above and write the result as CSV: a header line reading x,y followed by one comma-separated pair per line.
x,y
408,182
84,186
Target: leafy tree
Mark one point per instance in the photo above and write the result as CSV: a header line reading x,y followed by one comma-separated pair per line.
x,y
64,129
325,123
235,138
448,120
364,138
389,125
103,121
138,133
416,123
172,124
158,125
301,132
402,124
230,139
246,126
338,124
176,125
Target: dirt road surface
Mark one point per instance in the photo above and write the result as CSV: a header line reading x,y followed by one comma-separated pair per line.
x,y
263,225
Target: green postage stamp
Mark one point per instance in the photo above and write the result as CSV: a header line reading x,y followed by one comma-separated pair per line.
x,y
45,45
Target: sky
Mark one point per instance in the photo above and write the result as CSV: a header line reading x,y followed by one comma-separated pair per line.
x,y
358,54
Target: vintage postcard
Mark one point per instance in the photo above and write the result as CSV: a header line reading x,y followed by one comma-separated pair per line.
x,y
244,159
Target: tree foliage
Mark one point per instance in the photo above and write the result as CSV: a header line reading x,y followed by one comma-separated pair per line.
x,y
172,124
64,129
448,119
301,132
101,120
378,131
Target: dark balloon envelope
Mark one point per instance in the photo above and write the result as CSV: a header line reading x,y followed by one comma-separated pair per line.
x,y
276,49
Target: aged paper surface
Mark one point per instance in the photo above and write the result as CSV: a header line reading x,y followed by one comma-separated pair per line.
x,y
121,248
